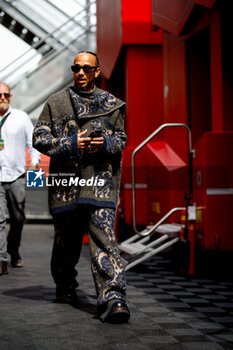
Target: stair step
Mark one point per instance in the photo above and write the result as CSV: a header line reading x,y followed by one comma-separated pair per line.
x,y
169,228
132,248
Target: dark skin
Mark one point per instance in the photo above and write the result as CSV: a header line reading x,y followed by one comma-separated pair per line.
x,y
85,82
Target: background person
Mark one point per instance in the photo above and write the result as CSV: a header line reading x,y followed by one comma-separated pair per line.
x,y
82,129
15,135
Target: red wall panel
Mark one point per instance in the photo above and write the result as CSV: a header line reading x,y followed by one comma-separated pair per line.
x,y
144,96
213,189
137,23
171,15
109,34
216,72
175,97
122,22
144,88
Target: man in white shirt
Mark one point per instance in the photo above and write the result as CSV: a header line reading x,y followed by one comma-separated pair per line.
x,y
15,135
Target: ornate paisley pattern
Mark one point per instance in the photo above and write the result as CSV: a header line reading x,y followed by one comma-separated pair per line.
x,y
102,102
97,125
56,136
105,219
53,138
104,174
106,263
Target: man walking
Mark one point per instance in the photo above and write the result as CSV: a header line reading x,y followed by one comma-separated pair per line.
x,y
15,135
82,129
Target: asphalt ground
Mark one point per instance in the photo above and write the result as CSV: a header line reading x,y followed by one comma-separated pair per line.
x,y
168,311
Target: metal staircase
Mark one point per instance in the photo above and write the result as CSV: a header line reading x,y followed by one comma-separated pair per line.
x,y
161,235
55,37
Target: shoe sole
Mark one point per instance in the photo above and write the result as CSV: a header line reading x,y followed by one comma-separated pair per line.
x,y
121,316
20,265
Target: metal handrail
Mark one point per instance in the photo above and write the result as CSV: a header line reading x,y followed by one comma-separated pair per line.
x,y
67,79
42,40
165,217
51,36
48,58
191,151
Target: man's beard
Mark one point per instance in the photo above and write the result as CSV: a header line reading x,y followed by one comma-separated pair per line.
x,y
82,88
3,109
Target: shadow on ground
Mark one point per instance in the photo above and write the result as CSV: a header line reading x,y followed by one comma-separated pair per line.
x,y
42,293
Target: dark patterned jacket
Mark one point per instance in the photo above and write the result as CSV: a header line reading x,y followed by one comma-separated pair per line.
x,y
64,115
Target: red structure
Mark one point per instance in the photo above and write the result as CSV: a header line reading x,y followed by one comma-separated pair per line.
x,y
132,67
172,63
198,80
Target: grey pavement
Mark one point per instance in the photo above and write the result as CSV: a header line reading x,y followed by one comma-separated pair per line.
x,y
168,311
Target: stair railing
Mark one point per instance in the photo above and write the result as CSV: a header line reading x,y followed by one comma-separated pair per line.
x,y
51,36
138,148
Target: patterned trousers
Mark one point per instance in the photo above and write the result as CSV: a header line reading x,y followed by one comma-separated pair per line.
x,y
106,263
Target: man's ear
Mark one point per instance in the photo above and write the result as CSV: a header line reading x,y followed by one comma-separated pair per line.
x,y
97,72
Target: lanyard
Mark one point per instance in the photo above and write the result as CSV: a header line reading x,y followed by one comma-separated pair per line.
x,y
2,122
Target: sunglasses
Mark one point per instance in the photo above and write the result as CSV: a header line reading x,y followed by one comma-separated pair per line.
x,y
87,69
5,94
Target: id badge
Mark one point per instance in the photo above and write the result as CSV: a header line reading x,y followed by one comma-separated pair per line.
x,y
1,144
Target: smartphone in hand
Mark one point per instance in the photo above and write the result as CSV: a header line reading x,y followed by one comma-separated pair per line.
x,y
95,133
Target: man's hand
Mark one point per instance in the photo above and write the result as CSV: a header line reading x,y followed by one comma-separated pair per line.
x,y
92,144
83,142
95,144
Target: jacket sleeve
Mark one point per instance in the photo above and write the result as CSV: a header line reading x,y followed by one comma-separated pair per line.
x,y
47,137
114,137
